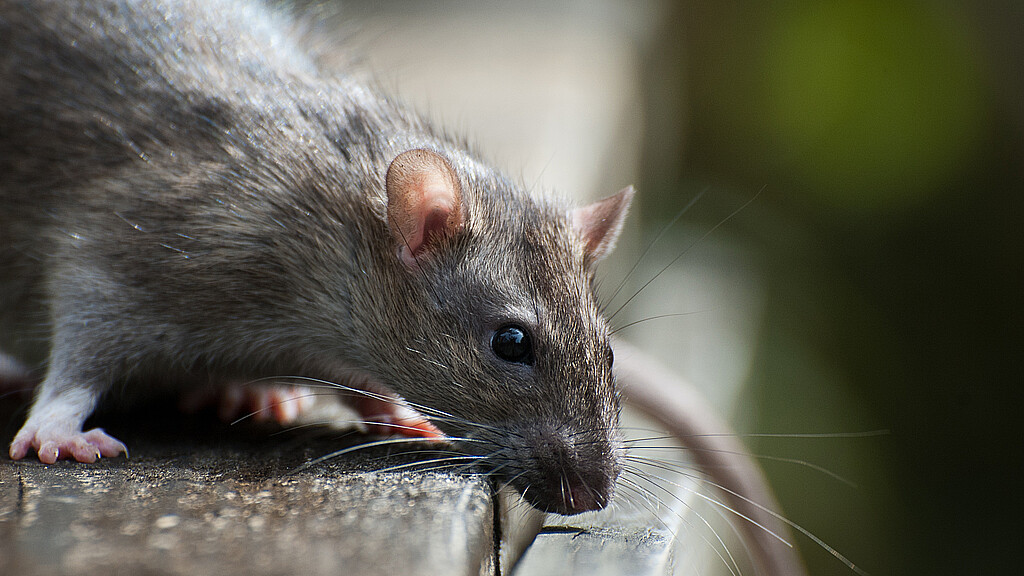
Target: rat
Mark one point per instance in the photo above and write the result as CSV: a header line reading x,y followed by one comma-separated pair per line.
x,y
187,196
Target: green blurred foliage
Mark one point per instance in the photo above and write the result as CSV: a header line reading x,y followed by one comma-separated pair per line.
x,y
888,140
871,104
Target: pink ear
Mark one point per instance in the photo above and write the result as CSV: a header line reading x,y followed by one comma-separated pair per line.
x,y
599,224
424,202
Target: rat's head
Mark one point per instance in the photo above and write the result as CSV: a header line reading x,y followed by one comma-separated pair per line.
x,y
502,330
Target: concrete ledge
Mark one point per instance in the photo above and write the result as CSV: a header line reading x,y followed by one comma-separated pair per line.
x,y
198,498
598,552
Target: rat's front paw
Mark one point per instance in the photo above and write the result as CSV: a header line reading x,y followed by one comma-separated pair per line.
x,y
52,445
391,418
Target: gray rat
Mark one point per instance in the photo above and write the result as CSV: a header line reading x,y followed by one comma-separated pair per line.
x,y
187,196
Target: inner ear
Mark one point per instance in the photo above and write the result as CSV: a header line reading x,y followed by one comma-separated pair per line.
x,y
599,224
424,202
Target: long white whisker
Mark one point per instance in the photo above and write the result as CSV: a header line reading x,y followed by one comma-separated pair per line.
x,y
652,507
835,553
364,446
686,251
797,461
309,381
618,329
824,435
657,239
452,460
731,560
717,502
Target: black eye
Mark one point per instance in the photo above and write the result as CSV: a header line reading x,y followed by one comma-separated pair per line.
x,y
512,344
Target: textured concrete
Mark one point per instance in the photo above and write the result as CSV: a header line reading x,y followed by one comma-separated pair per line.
x,y
201,498
598,552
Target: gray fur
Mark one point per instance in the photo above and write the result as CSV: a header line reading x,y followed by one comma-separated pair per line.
x,y
185,195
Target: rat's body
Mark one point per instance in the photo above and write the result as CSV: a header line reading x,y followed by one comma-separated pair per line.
x,y
185,196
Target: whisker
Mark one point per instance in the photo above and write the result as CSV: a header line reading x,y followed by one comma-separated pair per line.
x,y
363,446
797,461
312,395
676,497
661,234
835,553
407,465
317,382
271,407
653,508
729,563
618,329
323,423
703,478
433,413
812,435
17,391
686,250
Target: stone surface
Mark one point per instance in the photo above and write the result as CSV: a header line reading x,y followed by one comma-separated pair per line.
x,y
201,498
598,552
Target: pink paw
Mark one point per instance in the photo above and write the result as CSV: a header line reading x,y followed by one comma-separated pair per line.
x,y
389,418
53,445
280,403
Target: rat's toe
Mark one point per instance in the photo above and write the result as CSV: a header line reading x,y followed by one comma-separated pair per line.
x,y
51,446
287,403
389,417
21,445
50,451
107,445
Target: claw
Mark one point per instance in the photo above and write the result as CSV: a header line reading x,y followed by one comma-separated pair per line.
x,y
52,445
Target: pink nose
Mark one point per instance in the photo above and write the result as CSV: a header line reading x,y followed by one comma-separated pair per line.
x,y
578,497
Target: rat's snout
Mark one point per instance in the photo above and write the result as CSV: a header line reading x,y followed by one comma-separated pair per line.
x,y
580,496
568,472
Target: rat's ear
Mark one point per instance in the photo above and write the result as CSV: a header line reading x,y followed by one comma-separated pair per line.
x,y
599,223
424,202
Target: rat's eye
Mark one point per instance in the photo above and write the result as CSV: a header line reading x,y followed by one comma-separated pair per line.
x,y
512,344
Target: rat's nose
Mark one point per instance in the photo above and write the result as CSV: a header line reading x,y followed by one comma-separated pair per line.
x,y
579,497
568,477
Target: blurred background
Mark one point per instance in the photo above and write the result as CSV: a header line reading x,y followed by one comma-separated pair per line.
x,y
887,139
872,283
